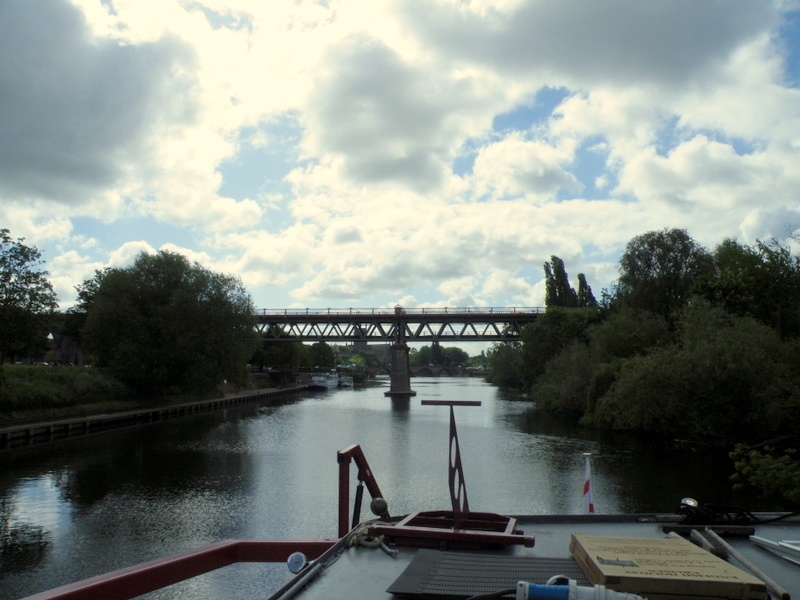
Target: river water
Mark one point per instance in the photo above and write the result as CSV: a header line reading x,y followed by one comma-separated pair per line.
x,y
81,507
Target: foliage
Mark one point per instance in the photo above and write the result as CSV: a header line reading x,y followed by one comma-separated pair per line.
x,y
727,378
321,356
562,388
543,339
479,360
773,474
628,332
27,299
573,379
586,298
558,291
46,392
280,354
503,365
762,282
165,324
658,270
75,317
455,356
435,354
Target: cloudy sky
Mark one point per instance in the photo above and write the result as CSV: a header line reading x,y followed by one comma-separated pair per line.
x,y
360,153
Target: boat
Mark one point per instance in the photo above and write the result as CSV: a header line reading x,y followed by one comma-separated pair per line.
x,y
345,381
325,381
697,552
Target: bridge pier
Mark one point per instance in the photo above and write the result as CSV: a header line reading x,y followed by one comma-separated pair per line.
x,y
400,374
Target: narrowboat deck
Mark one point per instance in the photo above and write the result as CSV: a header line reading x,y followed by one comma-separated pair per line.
x,y
338,571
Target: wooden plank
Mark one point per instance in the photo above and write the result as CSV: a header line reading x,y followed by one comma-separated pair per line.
x,y
669,567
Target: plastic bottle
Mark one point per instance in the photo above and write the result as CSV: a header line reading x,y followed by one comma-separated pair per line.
x,y
568,589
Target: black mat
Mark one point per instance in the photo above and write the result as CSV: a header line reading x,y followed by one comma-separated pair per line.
x,y
435,575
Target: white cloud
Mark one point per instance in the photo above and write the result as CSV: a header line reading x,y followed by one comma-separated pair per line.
x,y
518,167
125,255
677,114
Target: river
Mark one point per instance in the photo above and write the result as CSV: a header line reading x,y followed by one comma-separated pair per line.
x,y
81,507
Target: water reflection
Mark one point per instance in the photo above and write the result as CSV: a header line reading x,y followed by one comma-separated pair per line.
x,y
101,503
22,545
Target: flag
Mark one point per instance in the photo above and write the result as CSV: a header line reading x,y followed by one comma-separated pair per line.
x,y
588,499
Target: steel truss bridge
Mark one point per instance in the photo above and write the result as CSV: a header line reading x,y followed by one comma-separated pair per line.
x,y
395,325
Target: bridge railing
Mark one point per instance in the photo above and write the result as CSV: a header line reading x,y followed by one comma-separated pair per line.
x,y
390,312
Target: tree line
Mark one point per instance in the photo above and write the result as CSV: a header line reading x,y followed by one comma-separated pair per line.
x,y
689,343
163,325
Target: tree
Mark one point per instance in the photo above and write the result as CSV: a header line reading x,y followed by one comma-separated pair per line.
x,y
658,270
75,317
27,299
586,298
762,282
548,335
322,356
437,354
727,378
455,356
503,365
165,324
558,291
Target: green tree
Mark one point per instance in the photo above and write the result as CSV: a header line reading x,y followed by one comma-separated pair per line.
x,y
503,365
437,354
586,298
726,379
658,270
27,299
761,281
165,324
322,356
424,356
455,356
558,291
771,473
75,317
583,371
542,340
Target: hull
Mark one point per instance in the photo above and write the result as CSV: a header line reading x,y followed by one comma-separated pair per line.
x,y
325,381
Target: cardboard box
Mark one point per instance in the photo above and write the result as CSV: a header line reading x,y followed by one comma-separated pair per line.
x,y
661,568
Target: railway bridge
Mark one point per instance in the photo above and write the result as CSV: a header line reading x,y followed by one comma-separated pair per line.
x,y
396,326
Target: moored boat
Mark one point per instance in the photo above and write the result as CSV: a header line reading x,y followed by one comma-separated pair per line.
x,y
325,381
345,381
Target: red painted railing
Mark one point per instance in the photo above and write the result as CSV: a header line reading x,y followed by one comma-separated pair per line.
x,y
146,577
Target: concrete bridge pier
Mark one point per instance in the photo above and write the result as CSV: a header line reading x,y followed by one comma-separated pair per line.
x,y
400,382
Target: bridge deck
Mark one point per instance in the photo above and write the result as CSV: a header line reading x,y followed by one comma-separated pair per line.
x,y
386,325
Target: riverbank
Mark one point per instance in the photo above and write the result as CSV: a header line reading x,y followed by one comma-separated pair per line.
x,y
38,393
33,433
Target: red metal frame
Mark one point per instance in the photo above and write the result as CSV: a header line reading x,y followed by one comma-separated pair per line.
x,y
343,457
146,577
443,529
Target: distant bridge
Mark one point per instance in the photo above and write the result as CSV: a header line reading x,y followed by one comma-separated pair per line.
x,y
395,325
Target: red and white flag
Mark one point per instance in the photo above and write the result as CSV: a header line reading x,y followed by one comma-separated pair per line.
x,y
588,499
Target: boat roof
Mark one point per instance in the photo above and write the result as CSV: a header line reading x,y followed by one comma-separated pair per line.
x,y
437,573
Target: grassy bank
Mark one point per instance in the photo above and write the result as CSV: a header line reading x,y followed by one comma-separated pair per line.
x,y
33,393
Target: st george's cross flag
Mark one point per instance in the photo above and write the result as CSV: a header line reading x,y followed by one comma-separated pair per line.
x,y
588,499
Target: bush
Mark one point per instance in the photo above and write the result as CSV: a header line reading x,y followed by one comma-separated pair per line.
x,y
728,378
28,389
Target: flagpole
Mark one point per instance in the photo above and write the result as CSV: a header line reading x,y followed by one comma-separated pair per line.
x,y
588,497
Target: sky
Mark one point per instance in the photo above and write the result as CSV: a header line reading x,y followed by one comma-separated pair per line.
x,y
365,153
